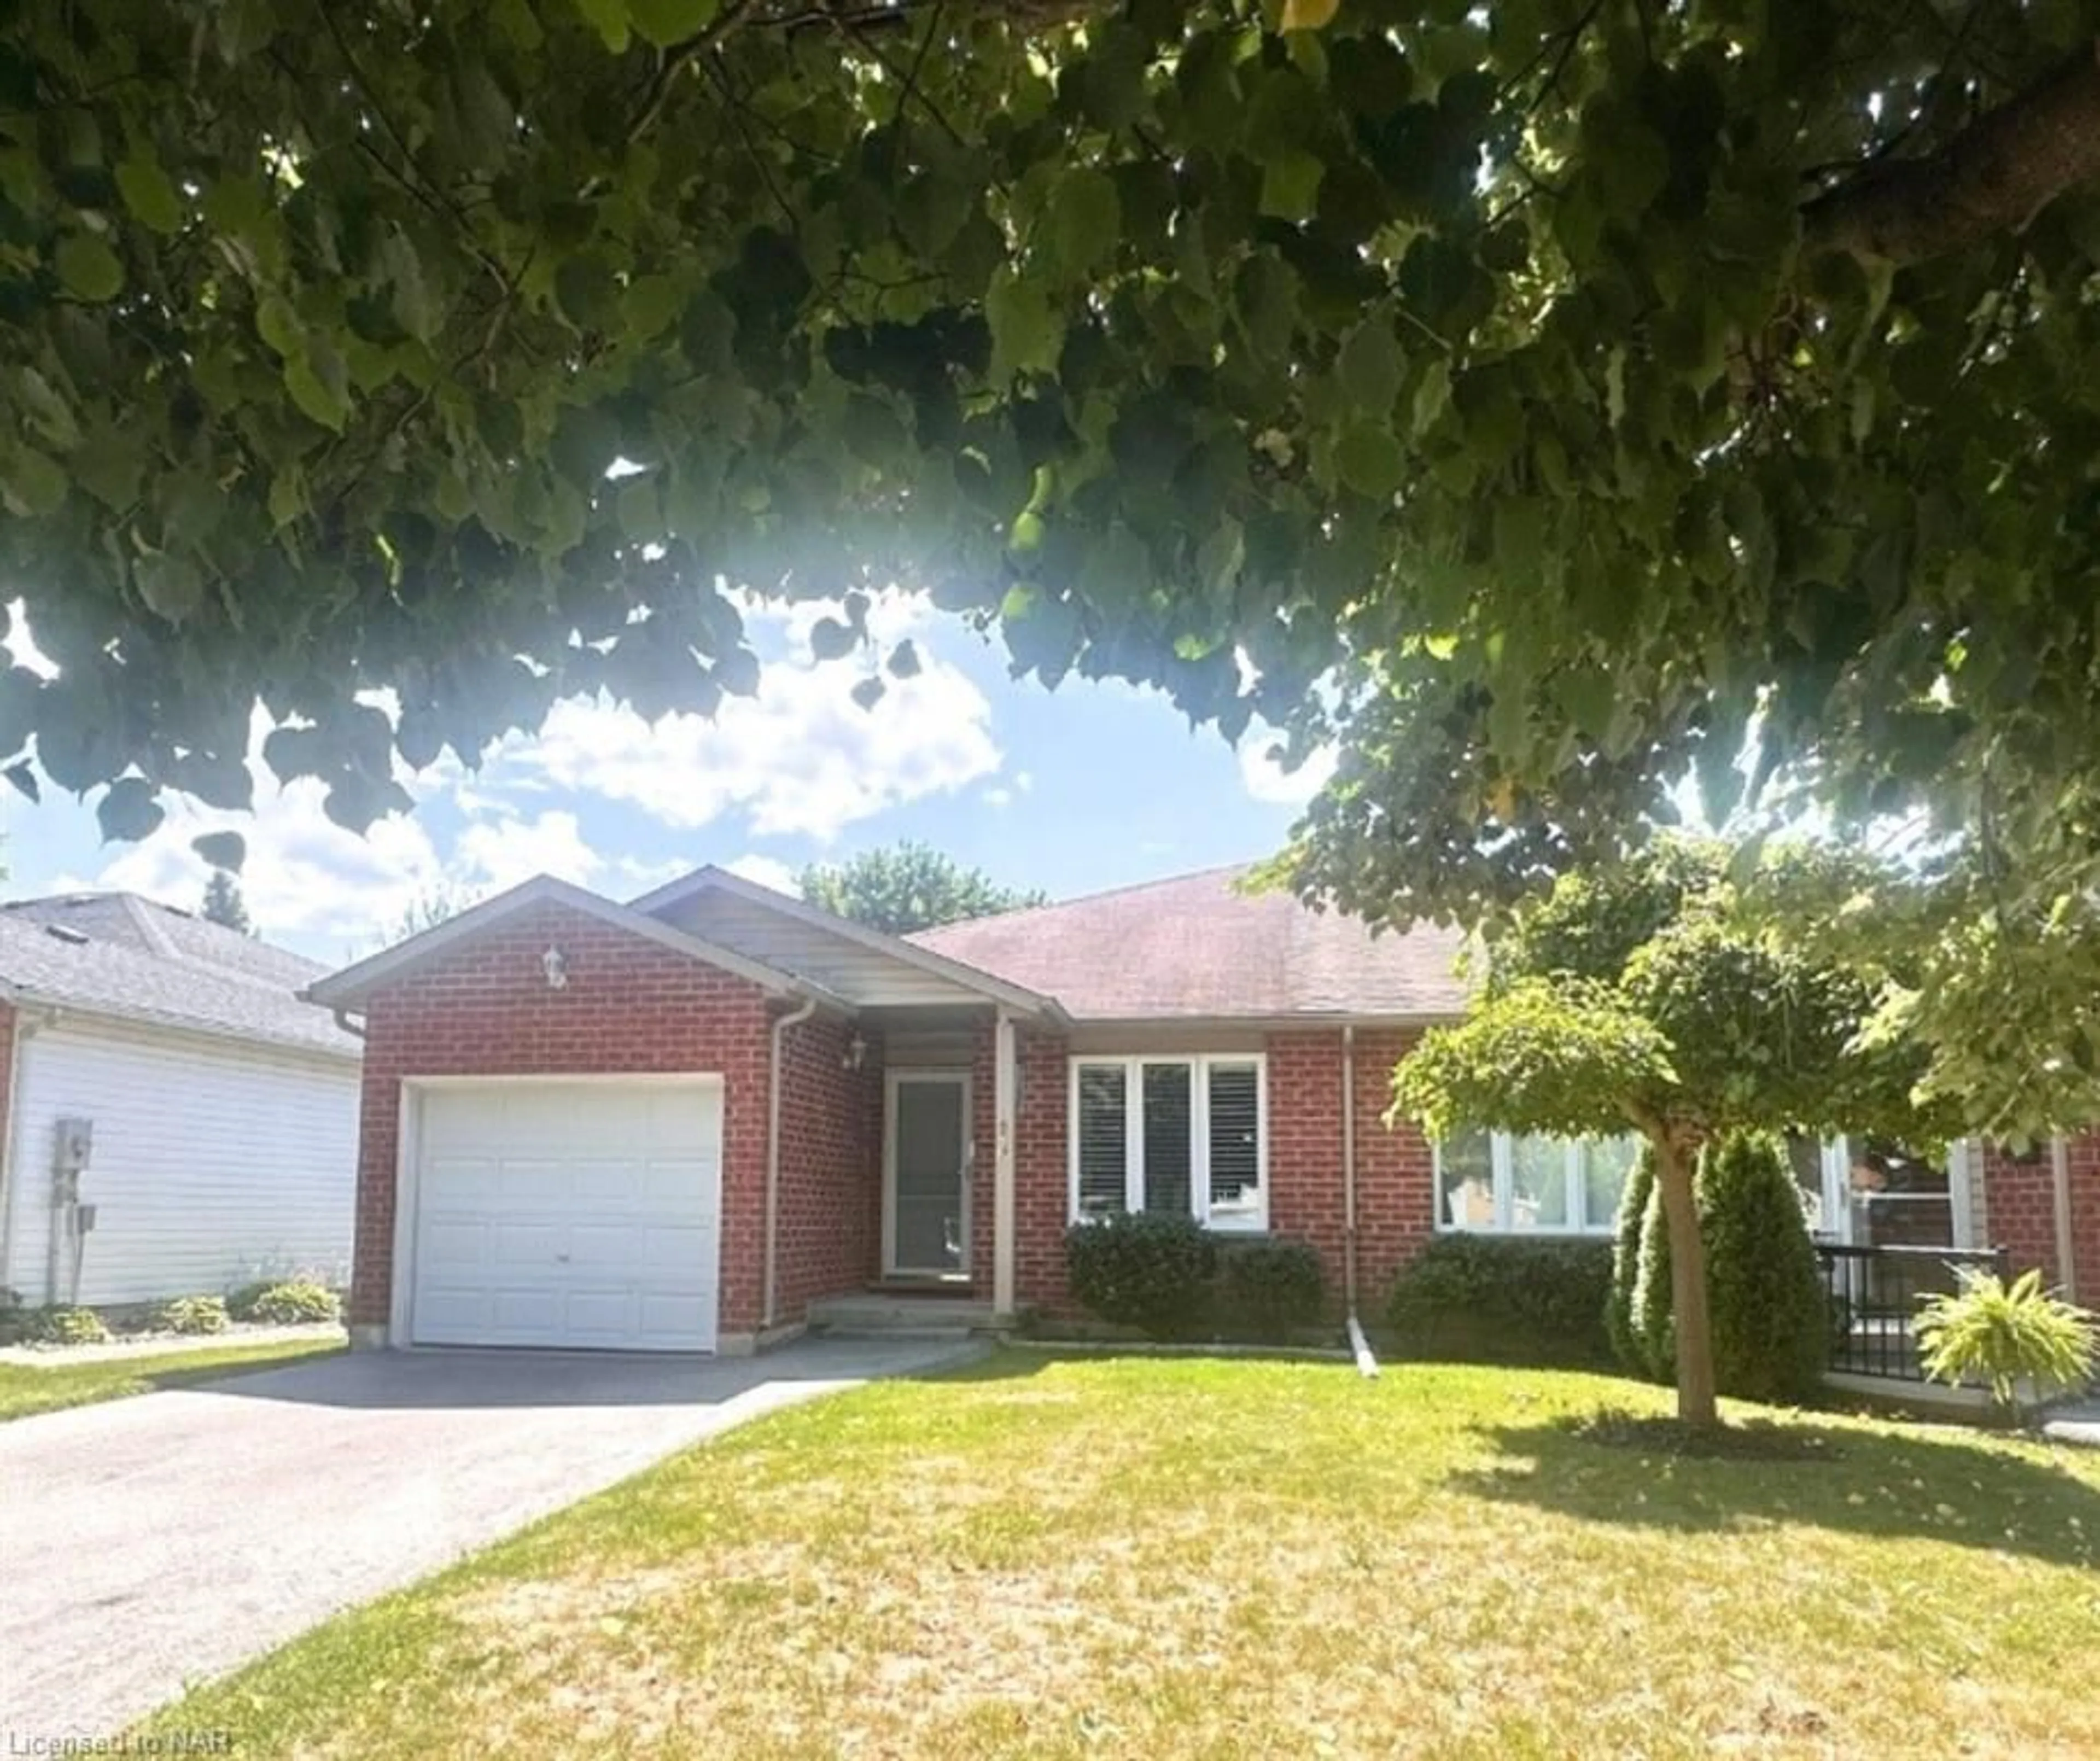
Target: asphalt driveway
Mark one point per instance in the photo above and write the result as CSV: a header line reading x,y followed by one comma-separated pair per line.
x,y
155,1542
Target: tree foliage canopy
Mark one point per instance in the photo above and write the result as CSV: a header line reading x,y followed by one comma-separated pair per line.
x,y
1565,387
1645,999
223,904
909,886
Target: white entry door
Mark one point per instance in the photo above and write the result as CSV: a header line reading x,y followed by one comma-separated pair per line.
x,y
568,1213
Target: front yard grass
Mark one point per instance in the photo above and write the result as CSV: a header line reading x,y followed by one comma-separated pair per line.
x,y
1186,1558
28,1389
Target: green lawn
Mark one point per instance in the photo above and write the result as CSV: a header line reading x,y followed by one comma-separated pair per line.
x,y
1171,1558
28,1389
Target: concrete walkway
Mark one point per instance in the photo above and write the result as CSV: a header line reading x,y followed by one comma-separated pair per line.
x,y
2075,1421
149,1543
162,1344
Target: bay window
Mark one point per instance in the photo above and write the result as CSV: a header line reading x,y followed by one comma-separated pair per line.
x,y
1556,1185
1179,1135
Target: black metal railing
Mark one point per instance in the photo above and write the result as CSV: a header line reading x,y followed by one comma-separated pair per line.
x,y
1874,1296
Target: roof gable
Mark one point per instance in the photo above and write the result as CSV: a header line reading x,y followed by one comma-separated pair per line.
x,y
346,988
870,967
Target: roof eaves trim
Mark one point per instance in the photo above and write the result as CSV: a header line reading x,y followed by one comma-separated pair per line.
x,y
345,988
711,878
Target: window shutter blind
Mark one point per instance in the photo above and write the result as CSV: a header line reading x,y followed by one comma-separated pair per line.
x,y
1103,1153
1235,1136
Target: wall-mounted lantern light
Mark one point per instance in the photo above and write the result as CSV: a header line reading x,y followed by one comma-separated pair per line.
x,y
855,1054
556,968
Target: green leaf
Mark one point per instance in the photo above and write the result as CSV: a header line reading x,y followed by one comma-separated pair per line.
x,y
32,483
90,268
610,18
1085,222
222,849
1370,461
128,811
1290,184
320,384
830,640
172,586
1369,365
1027,330
668,22
148,193
904,662
1432,396
868,692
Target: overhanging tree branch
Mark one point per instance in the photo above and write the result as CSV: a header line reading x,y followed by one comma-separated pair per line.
x,y
1993,177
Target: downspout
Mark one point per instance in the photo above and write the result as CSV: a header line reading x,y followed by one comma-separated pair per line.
x,y
2067,1252
1360,1347
768,1309
344,1024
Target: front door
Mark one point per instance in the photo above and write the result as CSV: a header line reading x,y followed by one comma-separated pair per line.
x,y
926,1212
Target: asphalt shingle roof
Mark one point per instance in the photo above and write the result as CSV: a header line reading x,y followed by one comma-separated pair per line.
x,y
147,962
1196,946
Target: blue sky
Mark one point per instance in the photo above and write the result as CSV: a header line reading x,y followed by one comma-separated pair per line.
x,y
1089,786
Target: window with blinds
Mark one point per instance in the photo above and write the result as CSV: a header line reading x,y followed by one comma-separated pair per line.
x,y
1185,1137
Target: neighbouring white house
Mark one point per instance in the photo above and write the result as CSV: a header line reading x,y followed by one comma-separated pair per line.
x,y
174,1118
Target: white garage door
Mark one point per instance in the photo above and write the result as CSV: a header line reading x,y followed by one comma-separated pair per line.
x,y
574,1214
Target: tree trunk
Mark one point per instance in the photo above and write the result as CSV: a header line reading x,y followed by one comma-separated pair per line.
x,y
1687,1282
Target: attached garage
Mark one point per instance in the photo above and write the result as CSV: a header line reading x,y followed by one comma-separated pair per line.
x,y
563,1211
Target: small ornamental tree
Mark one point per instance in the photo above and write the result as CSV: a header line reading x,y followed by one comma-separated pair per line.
x,y
909,886
1619,1315
223,904
1639,998
1772,1316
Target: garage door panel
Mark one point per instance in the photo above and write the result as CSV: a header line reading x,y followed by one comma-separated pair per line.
x,y
568,1214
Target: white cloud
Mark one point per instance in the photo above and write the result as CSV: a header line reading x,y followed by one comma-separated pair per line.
x,y
1267,780
999,797
499,854
21,647
799,758
768,872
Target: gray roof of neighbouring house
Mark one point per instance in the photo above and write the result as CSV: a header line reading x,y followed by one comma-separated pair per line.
x,y
118,955
1197,947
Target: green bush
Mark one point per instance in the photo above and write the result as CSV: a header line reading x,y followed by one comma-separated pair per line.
x,y
1652,1332
295,1302
1507,1297
65,1326
1619,1328
1764,1284
2002,1337
192,1314
1267,1289
1151,1272
240,1301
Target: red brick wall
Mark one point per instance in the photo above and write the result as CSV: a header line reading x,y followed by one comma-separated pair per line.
x,y
2019,1200
1395,1179
483,1009
831,1167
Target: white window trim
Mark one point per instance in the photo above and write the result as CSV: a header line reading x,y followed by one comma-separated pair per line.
x,y
1501,1168
1254,1220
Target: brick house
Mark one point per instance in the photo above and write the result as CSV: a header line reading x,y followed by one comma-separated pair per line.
x,y
692,1122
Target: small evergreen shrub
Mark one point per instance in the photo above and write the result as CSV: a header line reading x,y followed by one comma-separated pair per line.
x,y
1619,1327
1269,1290
1652,1332
1505,1297
294,1303
192,1314
2004,1336
1151,1272
65,1326
1764,1284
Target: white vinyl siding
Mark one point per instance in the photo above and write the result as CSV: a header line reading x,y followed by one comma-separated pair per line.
x,y
212,1163
864,975
1185,1136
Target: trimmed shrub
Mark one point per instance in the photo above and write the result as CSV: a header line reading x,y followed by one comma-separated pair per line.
x,y
192,1314
65,1326
1619,1328
294,1303
1653,1332
1267,1289
1506,1298
1764,1284
2005,1336
1151,1272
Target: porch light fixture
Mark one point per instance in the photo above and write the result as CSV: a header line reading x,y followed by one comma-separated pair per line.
x,y
556,968
855,1054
